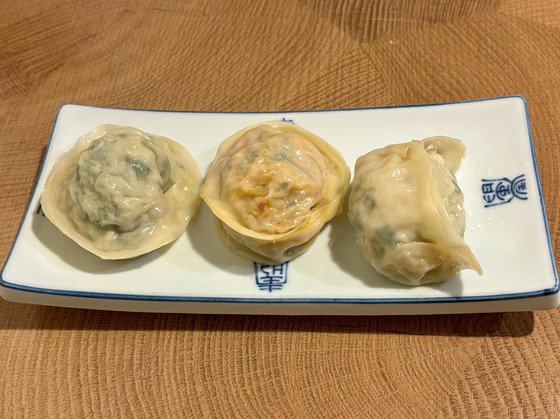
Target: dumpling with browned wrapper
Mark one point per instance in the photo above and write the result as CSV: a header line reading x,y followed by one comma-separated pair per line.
x,y
407,211
121,192
272,187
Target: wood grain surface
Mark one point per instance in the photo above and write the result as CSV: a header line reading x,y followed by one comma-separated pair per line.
x,y
269,55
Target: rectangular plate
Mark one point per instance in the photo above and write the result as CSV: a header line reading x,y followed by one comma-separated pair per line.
x,y
506,225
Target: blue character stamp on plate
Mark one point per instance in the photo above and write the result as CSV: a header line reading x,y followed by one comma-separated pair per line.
x,y
271,277
503,191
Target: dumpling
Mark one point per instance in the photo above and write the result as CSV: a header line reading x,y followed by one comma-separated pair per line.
x,y
120,192
407,211
272,187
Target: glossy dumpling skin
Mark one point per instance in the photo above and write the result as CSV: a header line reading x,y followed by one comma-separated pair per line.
x,y
407,211
120,192
272,187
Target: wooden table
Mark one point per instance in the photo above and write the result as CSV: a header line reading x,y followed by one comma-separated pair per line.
x,y
268,55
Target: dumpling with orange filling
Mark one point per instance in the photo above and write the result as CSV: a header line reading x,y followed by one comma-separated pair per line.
x,y
272,187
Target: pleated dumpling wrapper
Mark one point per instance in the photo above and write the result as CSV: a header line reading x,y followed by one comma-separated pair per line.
x,y
272,187
120,192
407,211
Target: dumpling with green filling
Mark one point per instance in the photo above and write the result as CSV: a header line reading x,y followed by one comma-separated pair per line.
x,y
120,192
272,187
407,211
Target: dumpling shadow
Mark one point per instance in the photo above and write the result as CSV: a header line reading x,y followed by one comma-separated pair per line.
x,y
452,287
77,257
347,255
205,240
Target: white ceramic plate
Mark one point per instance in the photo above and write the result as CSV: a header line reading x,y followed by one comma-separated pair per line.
x,y
197,273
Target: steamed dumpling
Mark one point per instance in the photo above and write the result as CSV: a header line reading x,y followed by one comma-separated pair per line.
x,y
407,211
120,192
272,187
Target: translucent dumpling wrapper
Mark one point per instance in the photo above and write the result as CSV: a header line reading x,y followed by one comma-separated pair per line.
x,y
120,192
407,211
272,187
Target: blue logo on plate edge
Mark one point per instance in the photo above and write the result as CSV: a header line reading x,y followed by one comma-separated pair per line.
x,y
503,190
271,277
